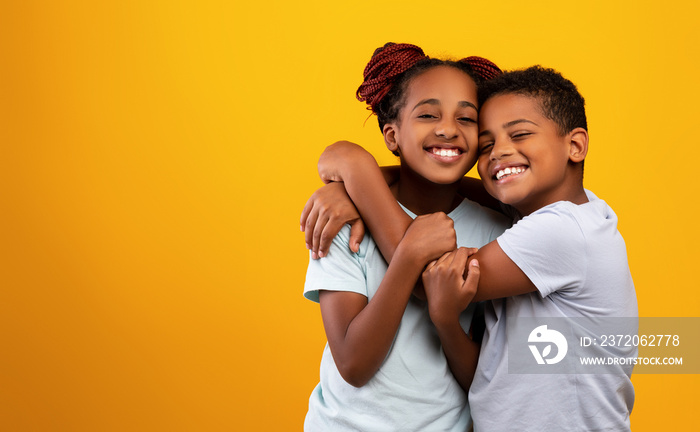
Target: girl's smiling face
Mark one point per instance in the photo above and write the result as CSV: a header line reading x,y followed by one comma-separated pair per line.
x,y
436,134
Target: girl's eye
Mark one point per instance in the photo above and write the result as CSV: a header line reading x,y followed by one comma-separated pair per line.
x,y
467,120
426,116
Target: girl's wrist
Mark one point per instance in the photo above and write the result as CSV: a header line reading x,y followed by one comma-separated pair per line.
x,y
406,253
446,323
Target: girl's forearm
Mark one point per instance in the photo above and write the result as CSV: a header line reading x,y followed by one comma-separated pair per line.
x,y
366,342
461,352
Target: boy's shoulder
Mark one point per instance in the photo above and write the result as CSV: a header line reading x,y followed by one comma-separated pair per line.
x,y
564,228
563,245
586,216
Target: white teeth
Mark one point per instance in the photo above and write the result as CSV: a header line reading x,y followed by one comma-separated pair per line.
x,y
508,171
445,152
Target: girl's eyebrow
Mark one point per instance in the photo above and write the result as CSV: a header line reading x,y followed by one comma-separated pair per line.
x,y
466,104
461,104
426,102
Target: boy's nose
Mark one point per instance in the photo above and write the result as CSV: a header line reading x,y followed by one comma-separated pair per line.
x,y
446,129
501,149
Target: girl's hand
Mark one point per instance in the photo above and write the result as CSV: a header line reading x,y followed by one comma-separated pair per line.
x,y
449,286
428,237
324,214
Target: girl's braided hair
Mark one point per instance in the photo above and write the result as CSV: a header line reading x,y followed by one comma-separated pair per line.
x,y
392,67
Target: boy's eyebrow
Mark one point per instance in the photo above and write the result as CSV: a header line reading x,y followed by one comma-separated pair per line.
x,y
507,125
461,104
514,122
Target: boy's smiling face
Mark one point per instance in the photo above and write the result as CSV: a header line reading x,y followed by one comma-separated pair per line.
x,y
523,159
437,132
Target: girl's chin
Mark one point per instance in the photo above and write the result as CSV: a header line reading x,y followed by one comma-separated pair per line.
x,y
448,179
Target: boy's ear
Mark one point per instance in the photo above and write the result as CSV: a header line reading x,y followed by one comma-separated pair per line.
x,y
578,145
390,131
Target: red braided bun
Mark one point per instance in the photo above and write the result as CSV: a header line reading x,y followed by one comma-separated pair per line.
x,y
386,65
484,68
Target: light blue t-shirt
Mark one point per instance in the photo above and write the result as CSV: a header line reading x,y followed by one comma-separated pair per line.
x,y
577,259
414,389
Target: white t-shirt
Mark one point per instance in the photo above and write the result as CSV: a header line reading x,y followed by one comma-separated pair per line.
x,y
414,389
577,259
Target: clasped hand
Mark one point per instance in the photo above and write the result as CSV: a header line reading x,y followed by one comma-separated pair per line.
x,y
450,285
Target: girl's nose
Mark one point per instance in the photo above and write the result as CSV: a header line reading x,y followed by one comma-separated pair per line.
x,y
446,129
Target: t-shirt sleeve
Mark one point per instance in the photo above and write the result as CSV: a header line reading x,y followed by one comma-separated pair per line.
x,y
340,270
550,248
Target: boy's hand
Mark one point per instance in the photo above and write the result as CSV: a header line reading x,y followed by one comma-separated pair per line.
x,y
428,237
324,214
448,289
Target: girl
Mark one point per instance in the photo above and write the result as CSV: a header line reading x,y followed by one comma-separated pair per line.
x,y
384,367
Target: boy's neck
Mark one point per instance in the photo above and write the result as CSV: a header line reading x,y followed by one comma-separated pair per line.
x,y
575,194
422,196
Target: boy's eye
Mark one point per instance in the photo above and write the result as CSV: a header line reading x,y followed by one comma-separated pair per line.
x,y
485,147
467,120
521,135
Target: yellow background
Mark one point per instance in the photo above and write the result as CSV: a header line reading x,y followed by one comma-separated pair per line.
x,y
155,157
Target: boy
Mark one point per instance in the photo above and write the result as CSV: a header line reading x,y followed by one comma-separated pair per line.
x,y
564,258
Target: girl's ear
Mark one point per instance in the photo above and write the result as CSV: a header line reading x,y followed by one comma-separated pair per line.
x,y
390,131
578,145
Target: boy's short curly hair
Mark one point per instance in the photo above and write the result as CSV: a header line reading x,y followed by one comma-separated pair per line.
x,y
558,97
